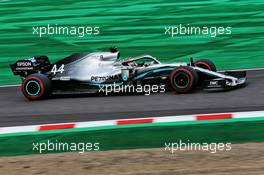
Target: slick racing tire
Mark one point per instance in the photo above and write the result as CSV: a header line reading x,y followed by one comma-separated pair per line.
x,y
36,87
183,79
205,64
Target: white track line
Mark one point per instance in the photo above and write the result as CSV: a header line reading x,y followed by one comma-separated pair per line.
x,y
164,119
11,85
253,69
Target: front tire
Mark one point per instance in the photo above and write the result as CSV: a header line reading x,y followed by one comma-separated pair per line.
x,y
205,64
183,79
36,87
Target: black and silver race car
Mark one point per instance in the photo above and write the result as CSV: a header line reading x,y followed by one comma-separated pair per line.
x,y
89,72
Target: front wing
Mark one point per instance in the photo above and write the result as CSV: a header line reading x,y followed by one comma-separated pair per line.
x,y
230,80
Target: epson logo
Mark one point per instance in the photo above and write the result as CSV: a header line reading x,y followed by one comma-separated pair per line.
x,y
23,64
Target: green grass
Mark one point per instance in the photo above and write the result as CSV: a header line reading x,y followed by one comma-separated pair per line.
x,y
135,27
140,136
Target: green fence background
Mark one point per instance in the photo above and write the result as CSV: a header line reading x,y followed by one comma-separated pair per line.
x,y
135,27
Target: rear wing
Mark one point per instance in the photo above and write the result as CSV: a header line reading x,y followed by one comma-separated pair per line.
x,y
29,66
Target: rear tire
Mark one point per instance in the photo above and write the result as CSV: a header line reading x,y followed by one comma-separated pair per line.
x,y
205,64
36,86
183,79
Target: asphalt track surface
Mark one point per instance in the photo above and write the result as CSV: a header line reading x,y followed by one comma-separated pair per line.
x,y
15,110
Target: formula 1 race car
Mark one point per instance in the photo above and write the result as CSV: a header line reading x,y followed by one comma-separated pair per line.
x,y
91,72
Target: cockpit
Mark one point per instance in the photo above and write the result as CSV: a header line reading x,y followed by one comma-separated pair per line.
x,y
144,60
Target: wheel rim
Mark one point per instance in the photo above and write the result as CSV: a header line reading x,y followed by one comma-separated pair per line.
x,y
33,88
181,80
